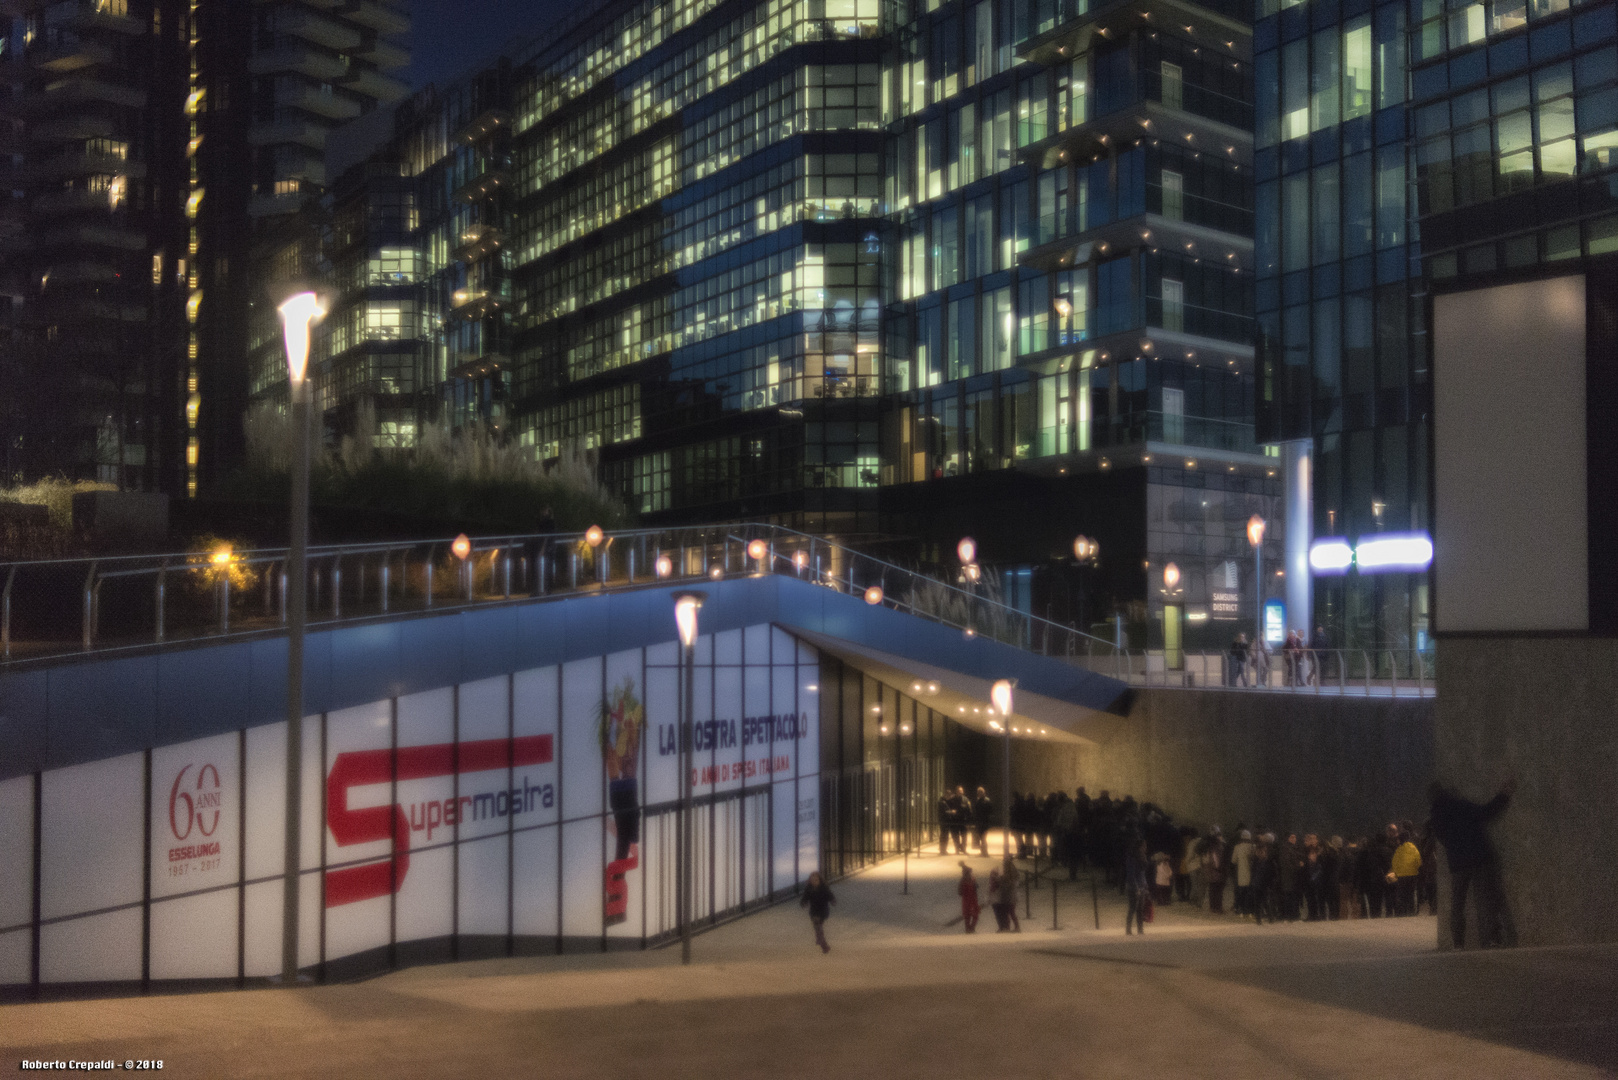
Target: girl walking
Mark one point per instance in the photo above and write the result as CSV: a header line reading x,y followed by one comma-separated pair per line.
x,y
818,899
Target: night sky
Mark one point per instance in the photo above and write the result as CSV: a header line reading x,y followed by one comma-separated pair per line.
x,y
449,36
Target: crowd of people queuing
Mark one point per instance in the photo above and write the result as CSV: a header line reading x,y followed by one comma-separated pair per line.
x,y
1266,874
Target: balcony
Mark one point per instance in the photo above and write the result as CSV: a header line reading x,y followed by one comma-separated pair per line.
x,y
382,18
1219,24
482,126
263,206
299,60
68,53
1143,230
1143,119
316,29
374,84
71,202
311,98
76,164
60,96
72,129
91,18
477,242
384,55
481,187
95,236
288,132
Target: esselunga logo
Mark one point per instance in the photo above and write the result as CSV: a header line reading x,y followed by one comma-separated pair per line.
x,y
196,805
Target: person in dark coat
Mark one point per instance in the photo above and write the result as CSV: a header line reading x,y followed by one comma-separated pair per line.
x,y
945,812
818,899
1461,826
960,817
1135,884
1374,880
982,814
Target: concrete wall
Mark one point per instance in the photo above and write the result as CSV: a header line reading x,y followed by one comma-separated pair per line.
x,y
1542,709
1295,761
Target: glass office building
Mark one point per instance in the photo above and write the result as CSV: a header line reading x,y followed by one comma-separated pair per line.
x,y
1343,356
1403,148
857,268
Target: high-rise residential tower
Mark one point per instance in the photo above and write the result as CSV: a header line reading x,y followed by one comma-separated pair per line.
x,y
160,154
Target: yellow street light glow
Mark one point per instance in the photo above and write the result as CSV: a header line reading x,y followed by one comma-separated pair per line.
x,y
757,549
717,572
665,566
593,536
800,560
221,555
1171,576
1255,530
462,547
873,595
1000,694
966,550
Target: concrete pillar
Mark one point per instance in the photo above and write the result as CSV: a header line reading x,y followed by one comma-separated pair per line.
x,y
1300,518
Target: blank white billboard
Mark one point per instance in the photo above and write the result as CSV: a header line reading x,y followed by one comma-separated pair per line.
x,y
1511,528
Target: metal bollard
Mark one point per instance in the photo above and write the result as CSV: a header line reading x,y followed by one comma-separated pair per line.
x,y
385,564
89,631
162,585
429,579
508,574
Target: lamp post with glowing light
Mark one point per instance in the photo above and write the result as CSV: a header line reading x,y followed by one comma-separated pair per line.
x,y
686,607
298,314
461,548
1000,694
1087,552
1255,536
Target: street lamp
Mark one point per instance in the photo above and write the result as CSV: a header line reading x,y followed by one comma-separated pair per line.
x,y
758,551
967,550
298,314
1000,694
1087,552
873,595
1255,536
686,607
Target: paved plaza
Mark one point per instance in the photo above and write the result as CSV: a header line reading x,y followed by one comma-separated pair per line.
x,y
903,994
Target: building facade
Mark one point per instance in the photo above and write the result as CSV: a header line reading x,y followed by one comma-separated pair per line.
x,y
160,156
95,241
884,270
1405,150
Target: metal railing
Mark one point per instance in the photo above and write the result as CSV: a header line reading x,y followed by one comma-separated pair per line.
x,y
1364,672
65,607
62,607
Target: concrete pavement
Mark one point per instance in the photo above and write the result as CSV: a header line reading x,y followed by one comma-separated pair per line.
x,y
901,995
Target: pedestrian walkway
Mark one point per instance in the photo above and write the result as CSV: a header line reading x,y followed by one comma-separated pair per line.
x,y
904,994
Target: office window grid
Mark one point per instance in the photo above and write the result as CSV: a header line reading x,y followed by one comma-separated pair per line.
x,y
1517,133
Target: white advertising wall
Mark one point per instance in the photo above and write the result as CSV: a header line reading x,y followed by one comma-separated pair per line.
x,y
1511,520
529,811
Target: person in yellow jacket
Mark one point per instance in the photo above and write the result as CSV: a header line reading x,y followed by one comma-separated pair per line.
x,y
1406,865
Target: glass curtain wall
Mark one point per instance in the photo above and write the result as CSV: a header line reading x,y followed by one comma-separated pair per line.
x,y
1340,336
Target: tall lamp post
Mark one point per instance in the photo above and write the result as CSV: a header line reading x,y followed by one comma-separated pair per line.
x,y
686,606
1000,694
1255,536
1086,551
298,314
